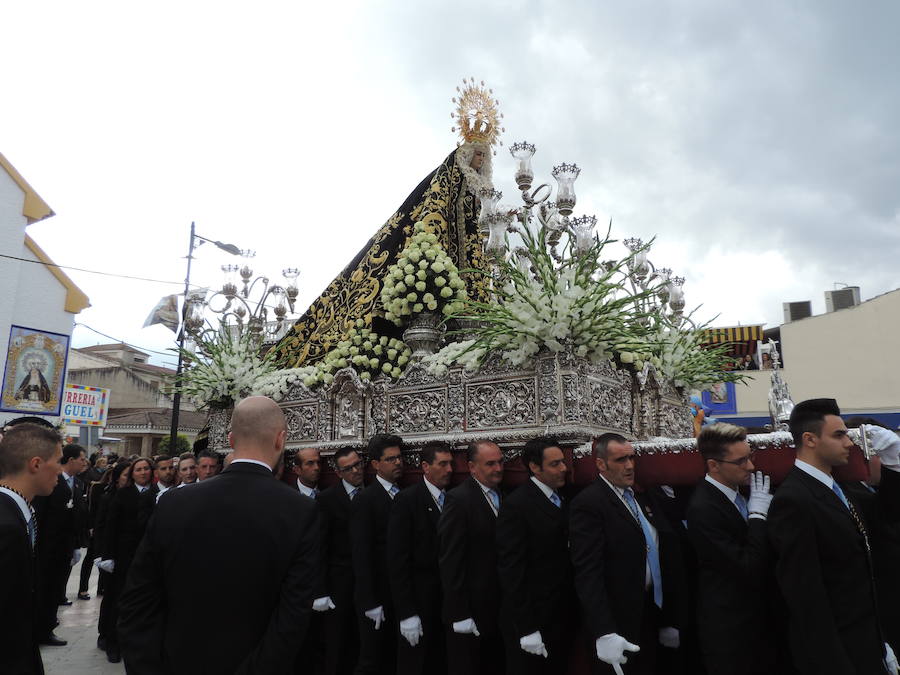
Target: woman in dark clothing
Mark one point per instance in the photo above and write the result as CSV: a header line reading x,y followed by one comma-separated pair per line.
x,y
119,477
126,520
95,494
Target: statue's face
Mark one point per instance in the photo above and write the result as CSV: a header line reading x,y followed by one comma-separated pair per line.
x,y
477,160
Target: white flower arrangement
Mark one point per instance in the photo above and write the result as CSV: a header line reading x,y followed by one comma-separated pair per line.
x,y
368,353
277,384
225,367
423,279
579,304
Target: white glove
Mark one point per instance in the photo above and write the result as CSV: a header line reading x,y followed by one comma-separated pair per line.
x,y
377,615
533,644
76,556
107,566
611,648
760,498
466,627
885,443
411,629
323,604
669,637
890,661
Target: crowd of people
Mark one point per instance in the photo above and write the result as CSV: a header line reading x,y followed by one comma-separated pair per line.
x,y
245,573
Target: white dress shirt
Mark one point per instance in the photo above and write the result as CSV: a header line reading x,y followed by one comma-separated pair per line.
x,y
487,494
348,487
435,493
818,474
306,491
543,488
252,461
387,485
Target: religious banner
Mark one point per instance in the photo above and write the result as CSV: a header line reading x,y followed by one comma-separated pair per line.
x,y
84,406
720,398
35,371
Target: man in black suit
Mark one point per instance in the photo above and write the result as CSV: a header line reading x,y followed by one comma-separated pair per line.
x,y
62,529
822,548
729,536
628,565
29,466
244,532
370,513
534,566
413,565
307,468
468,564
340,628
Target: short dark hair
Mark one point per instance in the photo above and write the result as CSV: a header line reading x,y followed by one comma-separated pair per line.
x,y
533,452
809,416
381,442
600,445
430,449
205,454
30,419
71,451
714,439
162,458
857,421
344,452
187,455
23,442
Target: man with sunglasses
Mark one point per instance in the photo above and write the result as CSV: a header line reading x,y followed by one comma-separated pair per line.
x,y
369,517
340,629
728,533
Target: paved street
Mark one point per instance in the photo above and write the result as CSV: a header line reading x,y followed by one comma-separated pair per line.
x,y
78,625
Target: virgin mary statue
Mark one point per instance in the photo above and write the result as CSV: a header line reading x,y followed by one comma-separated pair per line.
x,y
447,201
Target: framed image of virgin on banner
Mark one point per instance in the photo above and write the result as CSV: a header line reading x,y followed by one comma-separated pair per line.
x,y
720,398
35,371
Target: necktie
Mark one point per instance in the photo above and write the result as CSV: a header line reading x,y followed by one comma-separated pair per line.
x,y
840,493
71,483
315,493
353,493
741,503
495,499
394,491
652,552
440,500
32,531
557,502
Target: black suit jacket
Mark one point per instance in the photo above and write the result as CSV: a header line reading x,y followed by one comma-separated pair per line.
x,y
61,528
413,554
468,557
252,542
127,515
370,514
824,573
733,584
609,554
533,560
19,651
334,518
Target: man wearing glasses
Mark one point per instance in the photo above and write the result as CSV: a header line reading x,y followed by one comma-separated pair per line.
x,y
369,517
729,536
340,629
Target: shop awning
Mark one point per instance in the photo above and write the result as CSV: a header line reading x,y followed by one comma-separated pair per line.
x,y
714,336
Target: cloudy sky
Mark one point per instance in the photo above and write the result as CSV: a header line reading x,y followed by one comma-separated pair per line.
x,y
757,142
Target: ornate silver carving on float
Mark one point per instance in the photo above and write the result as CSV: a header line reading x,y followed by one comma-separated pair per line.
x,y
219,426
418,412
501,404
302,422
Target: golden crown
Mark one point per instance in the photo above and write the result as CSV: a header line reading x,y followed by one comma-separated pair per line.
x,y
477,114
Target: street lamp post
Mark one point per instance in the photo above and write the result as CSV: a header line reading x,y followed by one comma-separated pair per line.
x,y
176,399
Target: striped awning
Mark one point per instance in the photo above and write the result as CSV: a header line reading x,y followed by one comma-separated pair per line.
x,y
714,336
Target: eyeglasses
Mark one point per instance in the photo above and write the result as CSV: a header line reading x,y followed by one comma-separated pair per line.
x,y
393,459
739,462
351,467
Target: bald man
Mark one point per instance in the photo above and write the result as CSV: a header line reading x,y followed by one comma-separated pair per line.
x,y
246,532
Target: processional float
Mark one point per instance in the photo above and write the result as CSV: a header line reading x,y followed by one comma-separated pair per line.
x,y
463,319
